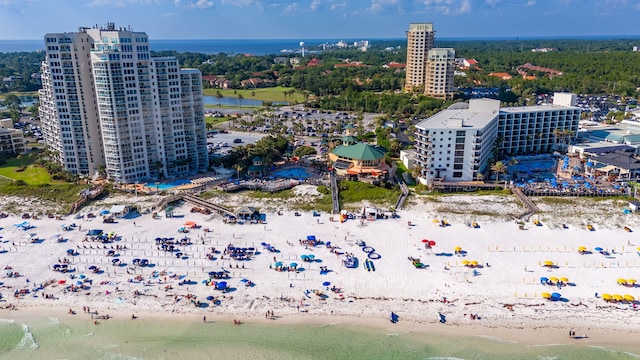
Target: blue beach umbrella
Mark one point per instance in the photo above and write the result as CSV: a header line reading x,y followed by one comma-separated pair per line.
x,y
544,279
293,264
278,263
311,256
598,249
210,297
326,283
556,296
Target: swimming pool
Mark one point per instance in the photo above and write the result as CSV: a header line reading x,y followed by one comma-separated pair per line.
x,y
167,186
292,173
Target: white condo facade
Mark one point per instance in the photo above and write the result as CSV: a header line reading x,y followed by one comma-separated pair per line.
x,y
456,144
440,70
106,102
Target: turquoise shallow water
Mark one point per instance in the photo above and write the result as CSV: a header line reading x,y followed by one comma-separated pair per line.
x,y
49,338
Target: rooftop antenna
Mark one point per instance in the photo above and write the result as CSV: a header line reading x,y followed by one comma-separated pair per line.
x,y
302,46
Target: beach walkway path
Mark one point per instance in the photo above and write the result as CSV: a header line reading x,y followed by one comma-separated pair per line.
x,y
531,207
334,194
207,204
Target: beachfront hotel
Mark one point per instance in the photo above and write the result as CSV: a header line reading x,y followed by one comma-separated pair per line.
x,y
456,144
429,70
106,102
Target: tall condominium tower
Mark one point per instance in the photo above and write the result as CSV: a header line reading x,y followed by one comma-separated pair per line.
x,y
440,66
106,102
420,39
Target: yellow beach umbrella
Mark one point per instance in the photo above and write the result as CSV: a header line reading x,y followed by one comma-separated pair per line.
x,y
553,279
628,297
582,248
548,263
465,262
546,295
564,279
617,297
607,297
457,248
622,281
473,263
436,220
631,281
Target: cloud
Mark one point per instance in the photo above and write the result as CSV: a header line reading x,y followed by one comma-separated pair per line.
x,y
379,5
16,6
200,4
122,3
448,7
290,9
314,5
530,3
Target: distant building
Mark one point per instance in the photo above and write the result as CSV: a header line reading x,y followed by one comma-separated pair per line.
x,y
420,38
440,70
11,139
360,161
501,75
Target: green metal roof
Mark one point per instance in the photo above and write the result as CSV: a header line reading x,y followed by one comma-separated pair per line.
x,y
360,151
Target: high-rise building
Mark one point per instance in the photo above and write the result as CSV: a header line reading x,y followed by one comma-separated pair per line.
x,y
456,144
429,70
420,37
106,102
440,67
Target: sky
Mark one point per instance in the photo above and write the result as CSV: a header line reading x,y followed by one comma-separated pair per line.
x,y
323,19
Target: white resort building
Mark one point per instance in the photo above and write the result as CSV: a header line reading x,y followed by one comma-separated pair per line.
x,y
456,144
106,102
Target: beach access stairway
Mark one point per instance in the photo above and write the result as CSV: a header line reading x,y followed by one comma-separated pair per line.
x,y
403,187
531,207
207,204
334,194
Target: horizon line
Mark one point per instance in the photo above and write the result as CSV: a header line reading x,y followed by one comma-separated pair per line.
x,y
454,38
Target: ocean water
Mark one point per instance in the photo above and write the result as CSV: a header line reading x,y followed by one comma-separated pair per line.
x,y
49,338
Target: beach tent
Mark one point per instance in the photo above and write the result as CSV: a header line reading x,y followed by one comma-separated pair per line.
x,y
311,237
190,224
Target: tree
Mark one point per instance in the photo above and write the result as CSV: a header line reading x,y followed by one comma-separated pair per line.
x,y
416,172
238,168
240,98
219,96
499,168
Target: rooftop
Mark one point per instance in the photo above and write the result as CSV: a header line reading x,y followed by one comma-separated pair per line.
x,y
360,151
523,109
458,118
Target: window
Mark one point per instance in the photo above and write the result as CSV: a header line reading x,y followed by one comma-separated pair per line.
x,y
457,174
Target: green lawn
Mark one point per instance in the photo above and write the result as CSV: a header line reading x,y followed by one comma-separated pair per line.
x,y
32,174
265,94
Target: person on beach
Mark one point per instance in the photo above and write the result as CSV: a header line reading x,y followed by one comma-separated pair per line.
x,y
204,319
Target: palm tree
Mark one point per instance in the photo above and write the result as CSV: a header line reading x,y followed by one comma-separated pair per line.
x,y
240,98
499,168
238,168
219,96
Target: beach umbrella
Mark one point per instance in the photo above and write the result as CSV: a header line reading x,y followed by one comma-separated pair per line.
x,y
278,263
473,263
221,285
78,282
56,266
544,279
555,296
553,279
326,283
465,262
62,281
82,276
606,297
426,241
564,279
210,297
293,264
582,248
617,297
92,267
546,295
311,256
432,243
304,257
628,297
631,281
622,281
598,249
457,248
548,263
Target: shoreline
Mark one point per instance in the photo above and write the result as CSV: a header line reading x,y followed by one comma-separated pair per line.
x,y
608,337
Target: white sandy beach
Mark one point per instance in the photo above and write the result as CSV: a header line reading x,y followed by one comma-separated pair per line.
x,y
506,293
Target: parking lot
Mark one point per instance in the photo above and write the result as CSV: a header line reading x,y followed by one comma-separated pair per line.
x,y
223,142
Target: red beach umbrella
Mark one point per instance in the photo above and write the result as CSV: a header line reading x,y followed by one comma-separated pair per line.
x,y
425,241
432,243
62,281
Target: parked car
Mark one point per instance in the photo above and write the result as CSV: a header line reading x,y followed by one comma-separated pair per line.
x,y
237,141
